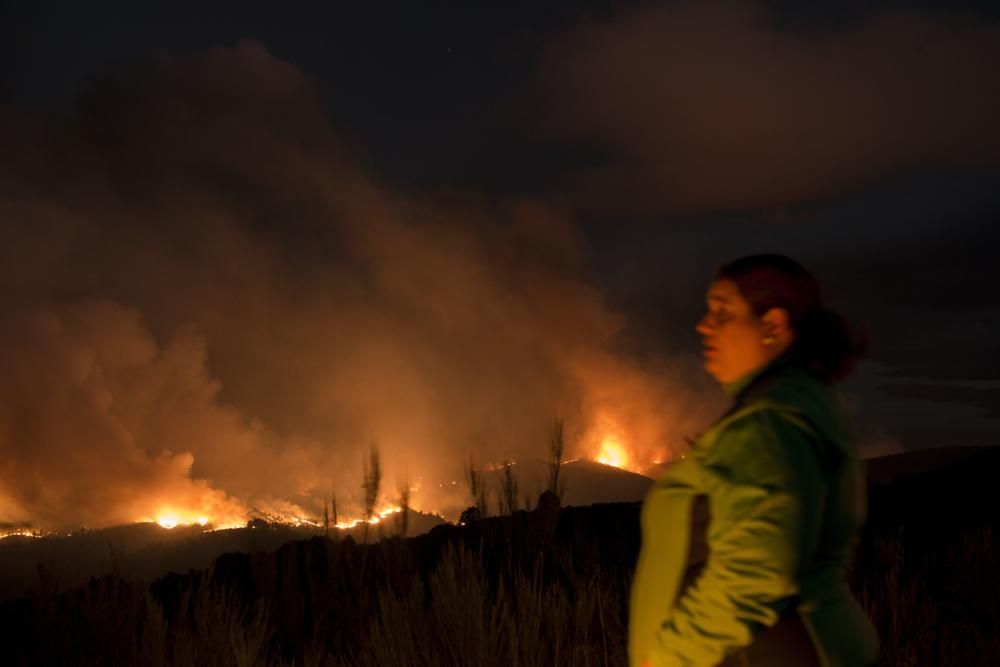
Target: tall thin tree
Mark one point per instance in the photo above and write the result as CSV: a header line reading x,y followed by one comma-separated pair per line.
x,y
477,487
508,489
326,518
557,446
372,470
403,488
333,509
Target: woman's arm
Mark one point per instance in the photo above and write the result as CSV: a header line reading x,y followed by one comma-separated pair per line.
x,y
766,492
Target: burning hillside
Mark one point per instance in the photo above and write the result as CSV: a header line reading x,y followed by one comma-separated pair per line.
x,y
209,312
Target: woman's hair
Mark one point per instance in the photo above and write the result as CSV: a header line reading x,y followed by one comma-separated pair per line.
x,y
824,342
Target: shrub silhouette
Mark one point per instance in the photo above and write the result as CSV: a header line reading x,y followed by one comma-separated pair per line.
x,y
469,515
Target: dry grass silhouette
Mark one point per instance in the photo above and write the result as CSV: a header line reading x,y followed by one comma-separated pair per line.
x,y
510,590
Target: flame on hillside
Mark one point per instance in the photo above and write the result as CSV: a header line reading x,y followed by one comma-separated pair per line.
x,y
376,518
613,443
193,503
22,530
173,517
613,453
172,520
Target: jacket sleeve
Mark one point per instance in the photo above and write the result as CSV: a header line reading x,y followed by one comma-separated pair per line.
x,y
766,491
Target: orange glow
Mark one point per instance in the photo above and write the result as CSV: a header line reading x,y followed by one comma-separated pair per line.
x,y
170,517
20,532
377,518
613,453
195,505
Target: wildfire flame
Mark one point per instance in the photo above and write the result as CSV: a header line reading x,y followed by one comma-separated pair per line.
x,y
19,531
613,453
378,517
171,518
218,511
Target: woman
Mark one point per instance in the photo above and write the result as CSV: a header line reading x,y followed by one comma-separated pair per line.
x,y
746,540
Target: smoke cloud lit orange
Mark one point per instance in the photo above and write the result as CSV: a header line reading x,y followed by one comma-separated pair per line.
x,y
209,312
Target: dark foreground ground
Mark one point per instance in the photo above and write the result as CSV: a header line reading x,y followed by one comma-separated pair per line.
x,y
534,588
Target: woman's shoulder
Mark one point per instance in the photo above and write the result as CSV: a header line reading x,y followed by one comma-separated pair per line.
x,y
769,425
760,444
798,396
787,395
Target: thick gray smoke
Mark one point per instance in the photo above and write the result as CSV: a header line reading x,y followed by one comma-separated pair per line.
x,y
208,308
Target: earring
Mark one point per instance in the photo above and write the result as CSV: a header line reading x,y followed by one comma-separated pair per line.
x,y
768,340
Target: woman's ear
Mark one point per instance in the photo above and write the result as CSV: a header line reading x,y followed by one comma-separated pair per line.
x,y
777,325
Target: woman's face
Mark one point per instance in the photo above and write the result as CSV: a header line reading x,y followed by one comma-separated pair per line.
x,y
734,340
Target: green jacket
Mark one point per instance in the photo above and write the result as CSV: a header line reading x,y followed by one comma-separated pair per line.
x,y
786,495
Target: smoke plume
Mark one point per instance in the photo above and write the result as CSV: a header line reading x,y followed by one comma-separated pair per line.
x,y
209,309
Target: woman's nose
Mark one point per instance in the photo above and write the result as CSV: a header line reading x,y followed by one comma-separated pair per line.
x,y
703,327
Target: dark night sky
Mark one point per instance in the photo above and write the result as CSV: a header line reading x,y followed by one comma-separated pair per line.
x,y
860,137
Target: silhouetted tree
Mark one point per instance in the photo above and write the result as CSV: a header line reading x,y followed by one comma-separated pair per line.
x,y
372,471
333,509
403,520
477,487
548,503
470,515
548,510
508,489
326,518
557,446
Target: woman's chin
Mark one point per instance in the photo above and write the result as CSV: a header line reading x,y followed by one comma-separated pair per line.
x,y
721,374
711,367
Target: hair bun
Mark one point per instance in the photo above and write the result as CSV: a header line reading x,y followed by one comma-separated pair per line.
x,y
827,345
